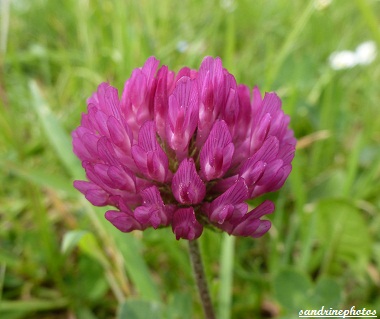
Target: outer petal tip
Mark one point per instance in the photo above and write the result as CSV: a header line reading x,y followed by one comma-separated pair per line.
x,y
251,225
185,225
124,221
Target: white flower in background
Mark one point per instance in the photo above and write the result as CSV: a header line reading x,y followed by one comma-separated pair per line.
x,y
366,52
340,60
321,4
182,46
228,5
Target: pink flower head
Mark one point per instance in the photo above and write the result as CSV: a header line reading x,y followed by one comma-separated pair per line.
x,y
185,151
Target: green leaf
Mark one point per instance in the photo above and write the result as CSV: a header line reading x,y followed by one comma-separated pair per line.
x,y
71,240
179,307
295,291
139,309
327,292
86,242
343,237
292,289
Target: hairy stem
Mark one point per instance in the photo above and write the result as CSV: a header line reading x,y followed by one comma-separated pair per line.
x,y
200,278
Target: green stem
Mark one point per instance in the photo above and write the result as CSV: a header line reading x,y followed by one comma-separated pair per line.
x,y
226,276
200,278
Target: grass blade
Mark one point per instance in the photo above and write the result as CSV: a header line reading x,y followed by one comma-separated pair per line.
x,y
226,276
54,132
32,305
288,44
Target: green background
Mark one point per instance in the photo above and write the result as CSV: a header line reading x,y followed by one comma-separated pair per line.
x,y
59,258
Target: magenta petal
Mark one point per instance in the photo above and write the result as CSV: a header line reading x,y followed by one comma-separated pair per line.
x,y
148,154
286,153
268,151
148,216
260,133
106,151
182,116
256,100
97,197
271,171
85,144
111,102
101,170
80,149
252,172
138,95
161,101
265,208
264,226
243,126
270,104
106,99
237,193
93,193
224,206
122,178
185,225
216,154
187,186
149,69
118,133
231,109
253,168
153,212
251,225
124,220
90,141
100,119
274,181
246,228
212,89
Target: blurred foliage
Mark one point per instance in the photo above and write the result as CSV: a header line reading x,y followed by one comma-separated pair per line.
x,y
59,258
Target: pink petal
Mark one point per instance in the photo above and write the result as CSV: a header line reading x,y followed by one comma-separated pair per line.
x,y
148,154
187,186
264,226
182,116
153,212
124,220
211,85
216,153
119,134
93,193
161,101
224,206
138,95
122,178
185,225
251,225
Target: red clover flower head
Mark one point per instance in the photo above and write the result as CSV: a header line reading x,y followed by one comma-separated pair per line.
x,y
184,150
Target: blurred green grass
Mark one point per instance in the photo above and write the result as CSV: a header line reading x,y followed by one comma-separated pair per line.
x,y
326,225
